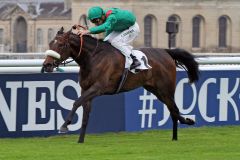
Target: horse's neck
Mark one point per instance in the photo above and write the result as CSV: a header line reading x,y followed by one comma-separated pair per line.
x,y
88,45
87,51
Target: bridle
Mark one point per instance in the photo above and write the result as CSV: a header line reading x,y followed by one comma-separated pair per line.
x,y
81,42
58,62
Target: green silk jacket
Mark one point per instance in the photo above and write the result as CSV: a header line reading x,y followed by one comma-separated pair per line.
x,y
116,20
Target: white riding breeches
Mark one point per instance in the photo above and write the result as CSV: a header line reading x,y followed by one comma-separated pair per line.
x,y
121,40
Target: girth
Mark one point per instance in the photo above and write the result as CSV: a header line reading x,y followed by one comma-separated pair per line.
x,y
123,80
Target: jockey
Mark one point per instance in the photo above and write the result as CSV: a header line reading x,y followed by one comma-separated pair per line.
x,y
120,27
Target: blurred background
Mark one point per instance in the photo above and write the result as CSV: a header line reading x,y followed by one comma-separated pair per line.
x,y
204,26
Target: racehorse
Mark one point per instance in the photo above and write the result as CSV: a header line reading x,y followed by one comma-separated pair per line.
x,y
102,66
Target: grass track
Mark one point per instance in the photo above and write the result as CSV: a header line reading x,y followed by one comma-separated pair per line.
x,y
206,143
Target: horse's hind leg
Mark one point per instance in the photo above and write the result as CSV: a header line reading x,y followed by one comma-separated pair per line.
x,y
175,115
174,112
168,99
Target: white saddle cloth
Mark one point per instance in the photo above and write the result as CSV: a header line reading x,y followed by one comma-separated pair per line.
x,y
141,58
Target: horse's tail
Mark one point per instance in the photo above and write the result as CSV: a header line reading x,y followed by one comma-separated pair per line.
x,y
185,60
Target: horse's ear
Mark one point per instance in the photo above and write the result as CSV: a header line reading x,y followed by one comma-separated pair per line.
x,y
74,26
61,31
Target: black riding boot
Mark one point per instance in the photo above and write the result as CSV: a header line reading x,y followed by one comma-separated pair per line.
x,y
135,63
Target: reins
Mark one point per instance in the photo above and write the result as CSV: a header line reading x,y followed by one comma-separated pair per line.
x,y
81,37
81,45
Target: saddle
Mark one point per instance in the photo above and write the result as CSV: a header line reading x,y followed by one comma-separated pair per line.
x,y
142,58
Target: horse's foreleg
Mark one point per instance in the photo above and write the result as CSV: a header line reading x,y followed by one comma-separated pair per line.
x,y
86,111
86,96
68,120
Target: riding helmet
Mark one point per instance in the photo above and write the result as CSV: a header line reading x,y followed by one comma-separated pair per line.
x,y
95,12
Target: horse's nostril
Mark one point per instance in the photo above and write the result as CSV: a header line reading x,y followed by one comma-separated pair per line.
x,y
47,68
48,65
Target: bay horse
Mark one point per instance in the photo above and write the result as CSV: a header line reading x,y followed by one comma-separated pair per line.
x,y
102,66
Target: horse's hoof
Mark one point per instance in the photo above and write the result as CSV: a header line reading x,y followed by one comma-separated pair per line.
x,y
63,130
190,121
174,139
81,141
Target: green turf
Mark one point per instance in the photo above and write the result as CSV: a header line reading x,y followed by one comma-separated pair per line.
x,y
206,143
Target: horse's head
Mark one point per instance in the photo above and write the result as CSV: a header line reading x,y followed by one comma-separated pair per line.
x,y
65,45
59,50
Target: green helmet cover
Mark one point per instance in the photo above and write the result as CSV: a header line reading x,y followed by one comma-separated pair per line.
x,y
95,12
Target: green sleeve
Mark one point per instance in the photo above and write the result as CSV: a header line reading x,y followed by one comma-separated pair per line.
x,y
106,26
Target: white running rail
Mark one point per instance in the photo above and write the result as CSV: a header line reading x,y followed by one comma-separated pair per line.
x,y
34,65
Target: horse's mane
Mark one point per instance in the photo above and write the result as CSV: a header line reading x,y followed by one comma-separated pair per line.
x,y
100,41
91,38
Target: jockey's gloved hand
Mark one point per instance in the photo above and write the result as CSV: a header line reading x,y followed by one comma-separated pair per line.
x,y
83,32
